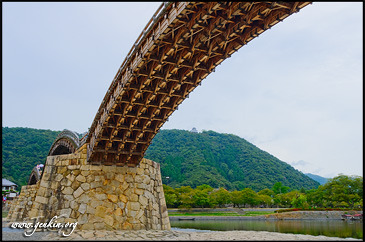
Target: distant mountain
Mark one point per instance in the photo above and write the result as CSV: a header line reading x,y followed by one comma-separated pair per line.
x,y
186,158
220,160
317,178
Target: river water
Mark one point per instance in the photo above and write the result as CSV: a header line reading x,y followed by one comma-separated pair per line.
x,y
331,228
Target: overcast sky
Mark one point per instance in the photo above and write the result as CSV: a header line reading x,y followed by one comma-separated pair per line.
x,y
296,91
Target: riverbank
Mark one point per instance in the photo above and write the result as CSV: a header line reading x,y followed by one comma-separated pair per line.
x,y
145,235
294,215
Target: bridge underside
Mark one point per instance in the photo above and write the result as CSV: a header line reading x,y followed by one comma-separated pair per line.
x,y
185,42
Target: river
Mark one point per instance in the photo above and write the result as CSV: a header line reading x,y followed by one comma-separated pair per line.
x,y
331,228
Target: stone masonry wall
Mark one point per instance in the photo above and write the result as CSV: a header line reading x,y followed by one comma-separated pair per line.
x,y
101,197
23,203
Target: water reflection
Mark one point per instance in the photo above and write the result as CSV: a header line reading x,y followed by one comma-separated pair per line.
x,y
331,228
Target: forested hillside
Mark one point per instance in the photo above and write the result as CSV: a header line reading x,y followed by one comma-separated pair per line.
x,y
187,158
22,149
220,160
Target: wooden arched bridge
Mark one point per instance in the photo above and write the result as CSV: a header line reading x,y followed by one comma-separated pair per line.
x,y
180,46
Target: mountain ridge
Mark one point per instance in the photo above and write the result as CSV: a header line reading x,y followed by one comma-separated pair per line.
x,y
220,160
186,158
322,180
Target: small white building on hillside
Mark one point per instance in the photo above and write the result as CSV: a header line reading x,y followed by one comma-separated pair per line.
x,y
9,186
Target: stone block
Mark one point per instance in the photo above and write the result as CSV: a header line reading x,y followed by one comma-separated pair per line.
x,y
95,184
112,198
81,178
121,205
138,191
133,198
109,220
139,171
66,212
67,190
126,226
138,179
134,206
82,219
95,168
90,178
82,208
124,186
85,173
88,226
119,177
99,226
143,201
129,178
90,210
101,196
78,192
100,211
74,205
65,182
85,186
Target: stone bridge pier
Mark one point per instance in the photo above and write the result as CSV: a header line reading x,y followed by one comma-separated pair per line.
x,y
96,197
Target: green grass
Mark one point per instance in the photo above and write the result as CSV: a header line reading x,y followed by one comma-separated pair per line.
x,y
5,214
257,213
250,213
204,214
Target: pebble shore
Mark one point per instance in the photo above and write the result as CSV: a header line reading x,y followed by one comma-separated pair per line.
x,y
143,235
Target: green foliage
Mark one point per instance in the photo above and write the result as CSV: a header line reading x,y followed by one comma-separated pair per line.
x,y
22,149
220,197
343,191
220,160
278,188
316,199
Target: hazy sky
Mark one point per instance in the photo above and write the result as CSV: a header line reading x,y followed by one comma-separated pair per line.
x,y
296,91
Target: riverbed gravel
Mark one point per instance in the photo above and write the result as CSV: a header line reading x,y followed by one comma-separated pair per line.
x,y
145,235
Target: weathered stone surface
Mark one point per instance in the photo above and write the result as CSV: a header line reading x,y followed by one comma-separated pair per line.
x,y
134,206
98,197
112,198
82,208
81,178
143,201
85,186
75,185
133,197
101,196
109,220
119,177
100,211
67,190
78,192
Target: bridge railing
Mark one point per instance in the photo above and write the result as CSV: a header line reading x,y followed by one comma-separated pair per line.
x,y
149,29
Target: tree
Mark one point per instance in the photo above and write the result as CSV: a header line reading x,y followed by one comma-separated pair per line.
x,y
236,198
278,188
200,198
170,197
220,197
249,197
300,201
185,196
265,200
267,192
343,189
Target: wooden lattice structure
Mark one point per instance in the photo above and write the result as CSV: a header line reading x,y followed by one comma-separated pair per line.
x,y
179,47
